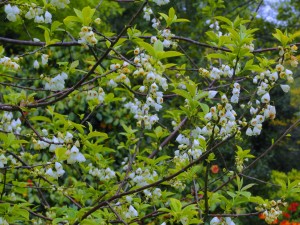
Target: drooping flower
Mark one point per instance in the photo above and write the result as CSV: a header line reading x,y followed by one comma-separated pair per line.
x,y
12,12
265,98
75,156
48,17
212,94
285,87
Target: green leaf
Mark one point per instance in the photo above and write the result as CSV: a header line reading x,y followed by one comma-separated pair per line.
x,y
40,118
47,37
182,20
23,213
89,222
164,210
161,158
79,14
249,66
247,187
69,20
257,199
212,35
171,13
247,194
4,208
74,64
183,93
158,46
175,205
1,50
168,54
224,19
96,134
147,47
204,107
189,209
217,56
55,25
87,14
231,194
78,127
166,17
61,153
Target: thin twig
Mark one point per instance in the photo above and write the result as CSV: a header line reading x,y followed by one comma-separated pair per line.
x,y
168,139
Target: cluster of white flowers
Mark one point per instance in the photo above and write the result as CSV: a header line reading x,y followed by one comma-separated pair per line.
x,y
266,80
56,174
167,36
9,124
131,212
38,15
102,174
34,12
60,4
249,46
44,59
178,184
155,23
147,13
192,148
225,118
222,118
3,160
57,83
123,74
39,144
214,25
75,155
284,73
141,112
152,81
57,141
155,194
68,138
235,93
143,177
256,125
92,94
221,221
225,71
180,158
13,160
12,12
271,210
87,36
215,73
161,2
183,141
287,53
9,63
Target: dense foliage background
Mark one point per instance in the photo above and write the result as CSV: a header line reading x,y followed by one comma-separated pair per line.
x,y
103,110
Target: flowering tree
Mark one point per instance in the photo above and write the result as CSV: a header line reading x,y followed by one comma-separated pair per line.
x,y
166,118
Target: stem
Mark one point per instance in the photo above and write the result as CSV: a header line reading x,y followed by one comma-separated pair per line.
x,y
206,191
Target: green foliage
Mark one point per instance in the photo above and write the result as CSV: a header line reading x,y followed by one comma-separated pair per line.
x,y
137,112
